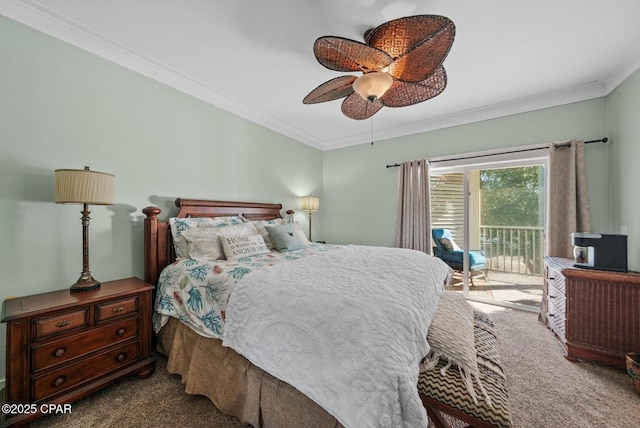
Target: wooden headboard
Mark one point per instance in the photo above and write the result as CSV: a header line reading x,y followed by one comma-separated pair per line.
x,y
158,245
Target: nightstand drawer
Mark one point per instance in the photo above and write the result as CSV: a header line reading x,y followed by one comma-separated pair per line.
x,y
65,349
60,380
117,308
61,323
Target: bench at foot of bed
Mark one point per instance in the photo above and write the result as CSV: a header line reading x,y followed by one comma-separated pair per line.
x,y
446,398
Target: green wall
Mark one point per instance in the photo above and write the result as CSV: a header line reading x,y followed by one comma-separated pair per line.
x,y
64,108
61,107
623,106
361,194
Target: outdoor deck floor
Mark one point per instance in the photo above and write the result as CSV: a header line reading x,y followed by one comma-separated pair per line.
x,y
504,286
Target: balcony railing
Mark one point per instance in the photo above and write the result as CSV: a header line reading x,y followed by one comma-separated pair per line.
x,y
515,249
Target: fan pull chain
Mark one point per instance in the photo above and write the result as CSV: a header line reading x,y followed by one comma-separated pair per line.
x,y
372,130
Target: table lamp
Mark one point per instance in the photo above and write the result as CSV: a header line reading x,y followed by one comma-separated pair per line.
x,y
83,186
310,204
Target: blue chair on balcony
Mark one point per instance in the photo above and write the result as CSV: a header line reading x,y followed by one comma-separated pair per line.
x,y
447,250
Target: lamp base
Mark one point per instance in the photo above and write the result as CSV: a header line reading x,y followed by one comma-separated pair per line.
x,y
86,282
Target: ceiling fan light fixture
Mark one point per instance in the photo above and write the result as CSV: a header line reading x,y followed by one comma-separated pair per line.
x,y
402,62
372,86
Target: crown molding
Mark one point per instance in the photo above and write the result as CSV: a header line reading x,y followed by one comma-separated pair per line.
x,y
509,108
37,15
624,70
41,18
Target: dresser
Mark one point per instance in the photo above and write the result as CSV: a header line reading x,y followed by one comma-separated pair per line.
x,y
594,313
556,299
63,345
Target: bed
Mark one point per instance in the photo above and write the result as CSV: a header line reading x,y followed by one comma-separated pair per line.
x,y
451,395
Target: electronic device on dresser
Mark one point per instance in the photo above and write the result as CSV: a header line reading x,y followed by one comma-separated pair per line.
x,y
600,251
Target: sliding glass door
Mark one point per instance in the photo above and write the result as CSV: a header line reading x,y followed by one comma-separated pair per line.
x,y
494,214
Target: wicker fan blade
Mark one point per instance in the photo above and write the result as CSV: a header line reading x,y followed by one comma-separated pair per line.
x,y
331,90
418,44
340,54
403,94
356,107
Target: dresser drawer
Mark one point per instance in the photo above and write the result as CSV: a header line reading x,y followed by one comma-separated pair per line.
x,y
116,308
557,321
557,298
60,380
60,323
63,350
63,345
555,278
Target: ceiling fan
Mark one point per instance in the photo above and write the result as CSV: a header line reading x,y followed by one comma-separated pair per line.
x,y
401,61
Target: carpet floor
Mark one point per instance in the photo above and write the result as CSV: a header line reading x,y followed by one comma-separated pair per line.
x,y
545,390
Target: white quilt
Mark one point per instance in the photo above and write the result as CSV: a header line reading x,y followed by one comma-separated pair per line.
x,y
347,328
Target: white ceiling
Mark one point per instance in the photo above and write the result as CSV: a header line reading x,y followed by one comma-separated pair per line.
x,y
255,57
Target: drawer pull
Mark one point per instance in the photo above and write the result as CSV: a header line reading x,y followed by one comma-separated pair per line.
x,y
551,296
118,309
58,381
59,352
63,323
121,356
552,315
552,278
121,331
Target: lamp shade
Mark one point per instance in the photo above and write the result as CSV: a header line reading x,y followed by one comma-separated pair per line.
x,y
83,186
372,86
310,203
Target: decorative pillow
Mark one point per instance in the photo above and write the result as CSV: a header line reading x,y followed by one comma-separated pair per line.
x,y
205,243
288,219
260,224
449,244
180,225
237,247
284,237
451,337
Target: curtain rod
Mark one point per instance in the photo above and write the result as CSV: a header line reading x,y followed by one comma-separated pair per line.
x,y
601,140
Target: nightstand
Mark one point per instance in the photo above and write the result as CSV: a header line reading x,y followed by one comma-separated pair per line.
x,y
63,345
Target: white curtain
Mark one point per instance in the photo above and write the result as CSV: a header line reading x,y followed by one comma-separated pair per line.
x,y
414,210
568,203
